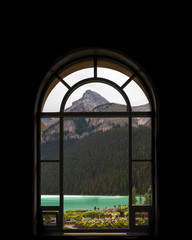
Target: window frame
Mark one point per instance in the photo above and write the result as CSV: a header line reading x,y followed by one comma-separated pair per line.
x,y
117,58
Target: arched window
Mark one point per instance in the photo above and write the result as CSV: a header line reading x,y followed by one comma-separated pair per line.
x,y
96,156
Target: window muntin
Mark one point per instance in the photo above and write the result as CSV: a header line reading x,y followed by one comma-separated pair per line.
x,y
129,114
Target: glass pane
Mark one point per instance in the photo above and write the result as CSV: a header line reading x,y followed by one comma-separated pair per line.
x,y
96,171
110,65
67,73
141,218
113,75
54,97
97,97
79,75
50,184
142,183
141,138
50,138
50,218
137,97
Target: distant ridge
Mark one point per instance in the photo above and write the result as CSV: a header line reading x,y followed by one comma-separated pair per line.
x,y
81,127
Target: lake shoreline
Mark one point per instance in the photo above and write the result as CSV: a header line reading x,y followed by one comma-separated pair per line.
x,y
88,201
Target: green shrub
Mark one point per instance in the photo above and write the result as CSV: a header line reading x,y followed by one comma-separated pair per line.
x,y
77,217
93,214
121,211
70,214
76,210
107,223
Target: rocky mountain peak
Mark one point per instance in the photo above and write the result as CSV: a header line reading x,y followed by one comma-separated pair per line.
x,y
87,102
93,97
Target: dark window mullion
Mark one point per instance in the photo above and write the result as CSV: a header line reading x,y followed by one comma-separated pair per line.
x,y
61,173
128,81
130,175
95,68
61,80
49,161
142,160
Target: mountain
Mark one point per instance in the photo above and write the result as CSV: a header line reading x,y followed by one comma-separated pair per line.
x,y
46,120
89,100
77,128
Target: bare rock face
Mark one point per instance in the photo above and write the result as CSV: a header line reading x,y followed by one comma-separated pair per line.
x,y
89,100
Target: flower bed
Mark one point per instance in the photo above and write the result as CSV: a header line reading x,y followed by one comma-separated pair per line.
x,y
103,223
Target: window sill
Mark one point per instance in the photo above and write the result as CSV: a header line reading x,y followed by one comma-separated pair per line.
x,y
97,235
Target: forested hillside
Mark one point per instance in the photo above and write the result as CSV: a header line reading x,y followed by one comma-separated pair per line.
x,y
98,164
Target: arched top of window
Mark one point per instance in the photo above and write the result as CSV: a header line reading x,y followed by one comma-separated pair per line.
x,y
114,82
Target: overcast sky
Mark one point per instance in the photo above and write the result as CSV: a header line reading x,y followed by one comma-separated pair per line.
x,y
134,92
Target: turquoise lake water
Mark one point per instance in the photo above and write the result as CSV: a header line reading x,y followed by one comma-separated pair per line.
x,y
87,202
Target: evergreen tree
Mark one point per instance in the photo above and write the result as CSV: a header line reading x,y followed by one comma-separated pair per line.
x,y
134,195
148,197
